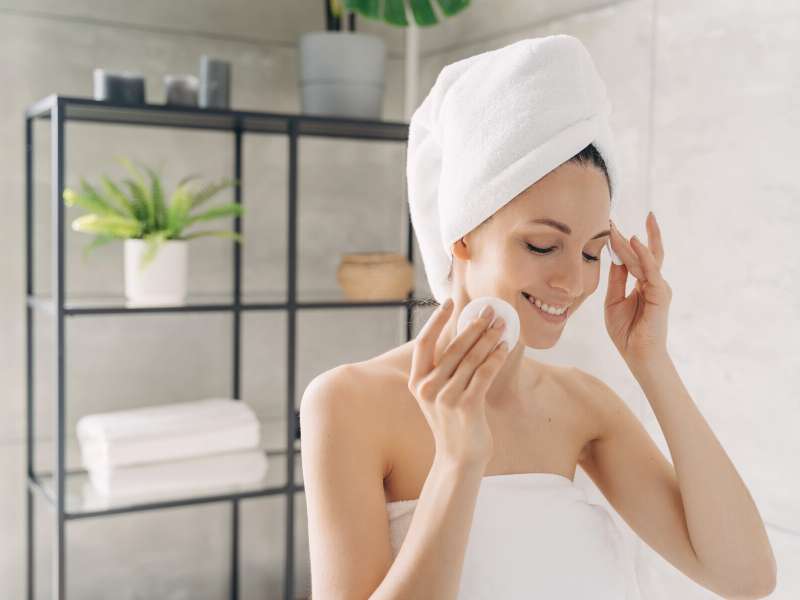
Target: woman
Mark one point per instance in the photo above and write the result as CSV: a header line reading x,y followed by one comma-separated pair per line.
x,y
444,467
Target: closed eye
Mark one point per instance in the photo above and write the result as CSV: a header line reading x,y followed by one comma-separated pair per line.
x,y
587,257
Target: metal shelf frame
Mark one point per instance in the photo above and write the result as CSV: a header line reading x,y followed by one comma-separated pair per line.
x,y
58,109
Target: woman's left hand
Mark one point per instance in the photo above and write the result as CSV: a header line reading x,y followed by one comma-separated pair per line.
x,y
637,324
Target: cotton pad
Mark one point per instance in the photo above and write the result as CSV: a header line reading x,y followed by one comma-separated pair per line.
x,y
501,309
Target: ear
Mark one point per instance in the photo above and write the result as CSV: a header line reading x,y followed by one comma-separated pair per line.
x,y
461,249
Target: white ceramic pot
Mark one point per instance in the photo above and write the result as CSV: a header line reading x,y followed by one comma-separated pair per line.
x,y
163,280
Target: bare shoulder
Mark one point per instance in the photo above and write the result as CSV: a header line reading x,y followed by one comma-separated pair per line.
x,y
346,398
601,402
344,467
590,396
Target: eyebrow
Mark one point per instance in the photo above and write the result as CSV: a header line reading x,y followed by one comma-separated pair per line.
x,y
564,228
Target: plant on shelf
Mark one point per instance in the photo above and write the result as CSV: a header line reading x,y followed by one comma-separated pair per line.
x,y
152,226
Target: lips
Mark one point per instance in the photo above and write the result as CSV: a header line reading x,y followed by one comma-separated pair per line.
x,y
560,317
548,303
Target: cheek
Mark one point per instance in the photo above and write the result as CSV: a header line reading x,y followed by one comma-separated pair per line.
x,y
594,281
516,260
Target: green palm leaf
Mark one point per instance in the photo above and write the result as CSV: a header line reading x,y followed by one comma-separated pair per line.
x,y
99,240
224,233
139,190
154,241
141,196
157,197
226,210
179,205
113,191
90,200
210,190
112,225
188,178
394,11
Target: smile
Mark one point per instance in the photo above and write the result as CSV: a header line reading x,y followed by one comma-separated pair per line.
x,y
549,317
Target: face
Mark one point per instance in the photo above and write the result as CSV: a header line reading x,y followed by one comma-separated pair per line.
x,y
513,258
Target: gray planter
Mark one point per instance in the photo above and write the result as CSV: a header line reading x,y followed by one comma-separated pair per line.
x,y
341,73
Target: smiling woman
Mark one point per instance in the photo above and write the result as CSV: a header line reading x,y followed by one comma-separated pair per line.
x,y
481,446
511,175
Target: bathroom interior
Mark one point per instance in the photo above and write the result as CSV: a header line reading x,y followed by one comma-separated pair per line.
x,y
305,213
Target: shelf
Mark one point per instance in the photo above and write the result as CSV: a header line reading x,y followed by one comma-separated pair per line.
x,y
83,501
163,115
80,499
221,302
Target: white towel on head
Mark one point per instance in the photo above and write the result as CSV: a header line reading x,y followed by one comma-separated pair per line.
x,y
492,125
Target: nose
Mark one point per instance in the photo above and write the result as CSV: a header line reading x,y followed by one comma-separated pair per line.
x,y
567,277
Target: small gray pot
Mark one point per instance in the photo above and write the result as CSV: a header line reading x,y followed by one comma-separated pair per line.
x,y
341,73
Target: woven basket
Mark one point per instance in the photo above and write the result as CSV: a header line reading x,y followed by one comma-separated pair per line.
x,y
375,276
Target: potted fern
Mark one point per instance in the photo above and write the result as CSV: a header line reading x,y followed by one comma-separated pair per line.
x,y
152,226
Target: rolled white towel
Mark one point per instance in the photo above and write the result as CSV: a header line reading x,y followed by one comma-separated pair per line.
x,y
167,432
193,475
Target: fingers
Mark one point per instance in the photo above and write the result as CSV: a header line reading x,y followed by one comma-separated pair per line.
x,y
425,344
487,371
654,240
625,252
459,346
465,369
649,264
617,282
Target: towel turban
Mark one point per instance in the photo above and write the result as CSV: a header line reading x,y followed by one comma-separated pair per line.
x,y
493,124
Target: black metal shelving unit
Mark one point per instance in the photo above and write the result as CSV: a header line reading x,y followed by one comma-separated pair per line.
x,y
55,486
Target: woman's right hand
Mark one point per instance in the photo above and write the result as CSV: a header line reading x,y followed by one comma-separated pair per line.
x,y
452,393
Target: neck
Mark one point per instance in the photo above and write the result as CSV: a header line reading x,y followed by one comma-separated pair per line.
x,y
506,390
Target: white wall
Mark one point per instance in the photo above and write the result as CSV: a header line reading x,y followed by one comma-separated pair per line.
x,y
705,113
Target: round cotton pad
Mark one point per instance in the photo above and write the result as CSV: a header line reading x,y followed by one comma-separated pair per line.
x,y
501,308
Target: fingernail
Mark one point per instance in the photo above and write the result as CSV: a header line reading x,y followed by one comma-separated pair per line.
x,y
447,304
486,311
499,323
614,258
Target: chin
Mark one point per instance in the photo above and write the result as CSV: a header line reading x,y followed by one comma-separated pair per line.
x,y
538,342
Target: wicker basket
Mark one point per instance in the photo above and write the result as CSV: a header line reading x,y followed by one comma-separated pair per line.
x,y
375,276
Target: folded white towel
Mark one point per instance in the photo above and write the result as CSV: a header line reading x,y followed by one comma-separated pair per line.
x,y
492,125
194,475
167,432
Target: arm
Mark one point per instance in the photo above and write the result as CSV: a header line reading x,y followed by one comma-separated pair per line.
x,y
725,527
431,558
343,471
722,524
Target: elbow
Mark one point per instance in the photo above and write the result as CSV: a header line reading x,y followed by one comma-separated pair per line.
x,y
749,583
768,586
754,590
769,580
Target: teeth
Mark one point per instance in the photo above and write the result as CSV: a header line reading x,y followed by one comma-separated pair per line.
x,y
546,308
